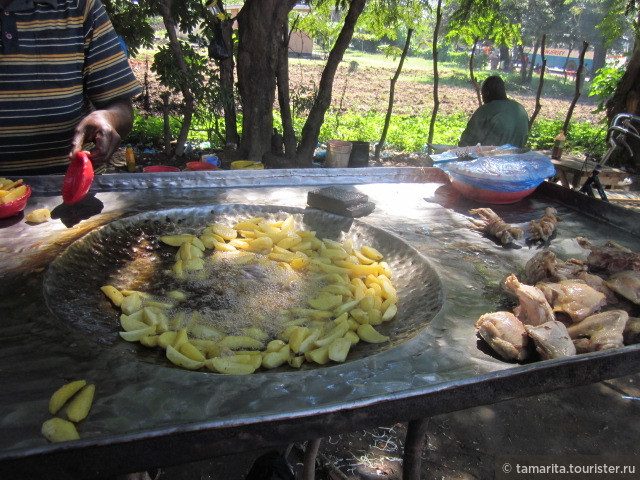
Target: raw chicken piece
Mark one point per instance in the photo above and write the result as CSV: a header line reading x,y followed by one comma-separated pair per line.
x,y
505,334
552,340
627,284
573,297
631,333
601,331
610,257
491,224
542,229
544,267
533,308
598,283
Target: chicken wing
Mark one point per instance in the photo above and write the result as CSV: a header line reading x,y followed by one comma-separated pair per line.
x,y
533,308
505,334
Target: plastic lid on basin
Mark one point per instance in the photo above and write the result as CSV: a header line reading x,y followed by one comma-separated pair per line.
x,y
201,166
78,179
246,165
160,168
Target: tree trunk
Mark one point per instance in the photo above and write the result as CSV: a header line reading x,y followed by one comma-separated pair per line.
x,y
226,85
523,65
436,100
576,96
284,100
189,101
474,82
533,61
540,83
392,90
259,27
626,98
311,129
505,58
599,53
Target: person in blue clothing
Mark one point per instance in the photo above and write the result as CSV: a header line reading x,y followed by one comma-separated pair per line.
x,y
499,121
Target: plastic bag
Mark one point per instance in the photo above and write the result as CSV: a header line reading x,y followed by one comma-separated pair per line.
x,y
503,173
218,48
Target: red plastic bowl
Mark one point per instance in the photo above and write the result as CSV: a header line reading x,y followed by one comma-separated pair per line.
x,y
160,168
13,208
201,166
78,179
489,196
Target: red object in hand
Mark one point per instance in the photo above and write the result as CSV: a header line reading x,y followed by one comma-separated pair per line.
x,y
78,179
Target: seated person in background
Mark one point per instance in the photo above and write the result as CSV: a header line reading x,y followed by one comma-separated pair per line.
x,y
499,121
65,81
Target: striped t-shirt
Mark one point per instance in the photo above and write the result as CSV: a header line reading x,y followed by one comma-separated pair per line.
x,y
58,58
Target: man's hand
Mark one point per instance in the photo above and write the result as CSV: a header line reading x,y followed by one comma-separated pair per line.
x,y
105,128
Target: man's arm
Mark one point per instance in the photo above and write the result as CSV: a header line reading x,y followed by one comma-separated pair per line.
x,y
105,127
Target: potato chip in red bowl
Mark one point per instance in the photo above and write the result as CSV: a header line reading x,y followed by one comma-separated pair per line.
x,y
14,200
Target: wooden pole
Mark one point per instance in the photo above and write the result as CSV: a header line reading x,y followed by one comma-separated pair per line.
x,y
576,96
540,83
392,90
436,100
413,446
474,82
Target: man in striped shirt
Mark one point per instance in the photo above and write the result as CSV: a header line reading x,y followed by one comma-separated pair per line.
x,y
65,83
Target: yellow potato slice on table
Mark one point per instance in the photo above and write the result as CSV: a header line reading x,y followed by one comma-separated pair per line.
x,y
59,430
39,215
63,394
80,405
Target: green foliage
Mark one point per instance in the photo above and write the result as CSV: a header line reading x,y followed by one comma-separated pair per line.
x,y
149,130
604,84
461,59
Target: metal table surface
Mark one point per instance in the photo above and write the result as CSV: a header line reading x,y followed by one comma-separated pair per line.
x,y
147,415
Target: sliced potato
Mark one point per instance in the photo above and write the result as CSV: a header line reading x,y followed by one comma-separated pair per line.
x,y
136,335
182,360
371,253
339,349
370,335
59,430
80,405
64,393
113,294
39,215
229,366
